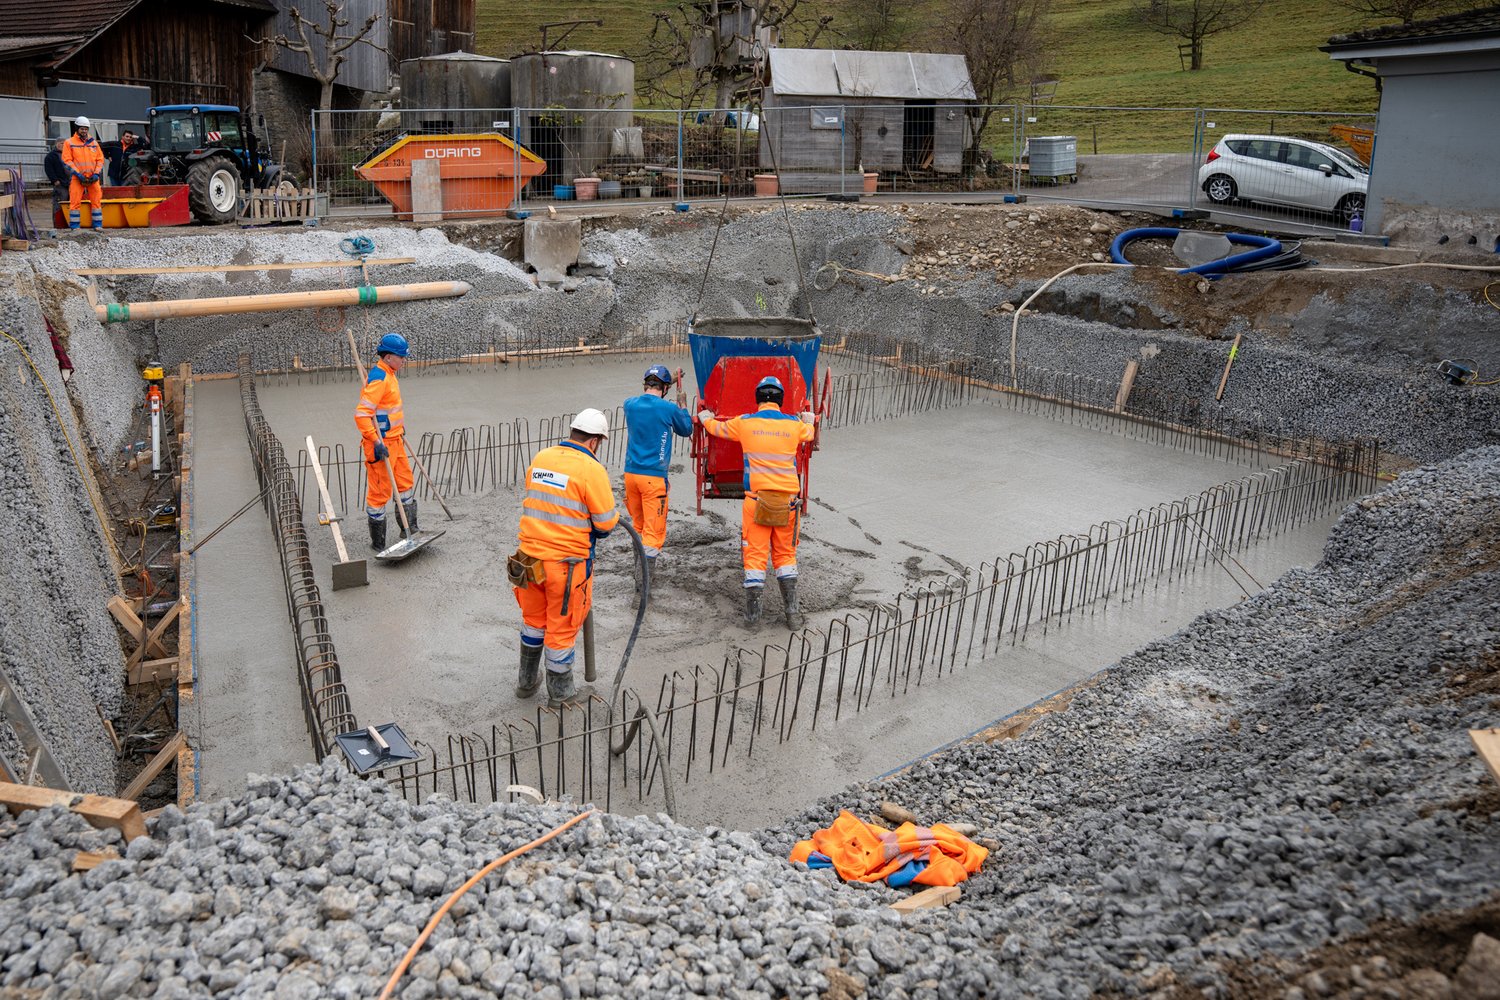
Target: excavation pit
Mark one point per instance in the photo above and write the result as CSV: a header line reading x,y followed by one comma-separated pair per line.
x,y
904,505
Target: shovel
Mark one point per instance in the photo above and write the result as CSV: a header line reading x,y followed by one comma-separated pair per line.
x,y
346,572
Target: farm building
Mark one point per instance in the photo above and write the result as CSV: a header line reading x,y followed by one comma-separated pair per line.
x,y
1434,168
830,110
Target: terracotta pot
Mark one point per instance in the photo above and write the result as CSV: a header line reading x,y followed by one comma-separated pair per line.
x,y
872,178
587,188
766,185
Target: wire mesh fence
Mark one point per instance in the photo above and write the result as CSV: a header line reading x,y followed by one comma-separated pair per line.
x,y
492,160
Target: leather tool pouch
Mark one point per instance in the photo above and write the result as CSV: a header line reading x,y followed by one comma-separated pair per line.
x,y
522,569
773,508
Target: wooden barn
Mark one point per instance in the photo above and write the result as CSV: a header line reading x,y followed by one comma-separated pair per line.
x,y
405,29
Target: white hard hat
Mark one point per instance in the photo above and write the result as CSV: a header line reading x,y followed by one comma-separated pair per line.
x,y
591,421
82,122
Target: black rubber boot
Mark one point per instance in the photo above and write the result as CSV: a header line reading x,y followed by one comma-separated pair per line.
x,y
530,677
377,535
794,619
410,507
752,605
560,687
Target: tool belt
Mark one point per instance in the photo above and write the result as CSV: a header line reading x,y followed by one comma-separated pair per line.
x,y
522,570
773,508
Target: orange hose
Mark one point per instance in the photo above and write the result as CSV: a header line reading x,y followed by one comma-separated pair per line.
x,y
411,952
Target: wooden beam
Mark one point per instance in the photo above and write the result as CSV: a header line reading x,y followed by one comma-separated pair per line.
x,y
154,638
1487,743
166,755
153,670
6,201
228,268
927,899
101,812
1127,382
88,860
125,614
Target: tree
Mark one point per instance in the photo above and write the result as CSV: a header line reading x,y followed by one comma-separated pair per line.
x,y
1407,11
879,25
1002,41
1195,20
716,47
325,48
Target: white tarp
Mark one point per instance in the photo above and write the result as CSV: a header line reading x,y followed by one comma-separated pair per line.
x,y
892,75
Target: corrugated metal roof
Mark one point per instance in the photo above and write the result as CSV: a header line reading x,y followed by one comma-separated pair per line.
x,y
845,73
1471,24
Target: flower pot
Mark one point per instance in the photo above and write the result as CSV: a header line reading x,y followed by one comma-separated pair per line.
x,y
872,178
610,189
645,191
562,192
766,185
588,188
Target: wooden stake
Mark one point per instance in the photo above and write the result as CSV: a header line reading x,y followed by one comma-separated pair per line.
x,y
166,755
1127,382
1234,350
154,638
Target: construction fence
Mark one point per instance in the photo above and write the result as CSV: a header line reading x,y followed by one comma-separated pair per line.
x,y
1266,166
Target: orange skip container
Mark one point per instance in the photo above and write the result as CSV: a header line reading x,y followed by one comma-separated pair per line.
x,y
480,173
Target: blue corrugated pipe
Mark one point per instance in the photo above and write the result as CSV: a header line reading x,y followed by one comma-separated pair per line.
x,y
1264,247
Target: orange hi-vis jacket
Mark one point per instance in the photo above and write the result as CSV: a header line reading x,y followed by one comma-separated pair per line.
x,y
567,497
84,160
380,406
863,853
769,439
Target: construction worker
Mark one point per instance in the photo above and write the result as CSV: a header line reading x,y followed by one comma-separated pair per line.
x,y
84,161
651,422
382,426
568,506
768,515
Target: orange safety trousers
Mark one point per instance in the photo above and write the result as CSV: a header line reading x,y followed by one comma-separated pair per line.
x,y
378,494
761,542
646,500
79,192
541,608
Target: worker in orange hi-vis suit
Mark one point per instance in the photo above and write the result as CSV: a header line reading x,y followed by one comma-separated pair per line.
x,y
568,506
382,428
84,161
768,516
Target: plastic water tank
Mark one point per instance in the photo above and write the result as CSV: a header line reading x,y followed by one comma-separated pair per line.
x,y
1053,155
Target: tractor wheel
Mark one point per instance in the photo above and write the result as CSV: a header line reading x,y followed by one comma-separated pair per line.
x,y
134,175
214,189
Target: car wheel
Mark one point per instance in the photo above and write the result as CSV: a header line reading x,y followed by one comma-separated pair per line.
x,y
1220,189
1349,206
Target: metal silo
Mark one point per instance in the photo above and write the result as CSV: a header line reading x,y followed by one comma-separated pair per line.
x,y
435,90
569,104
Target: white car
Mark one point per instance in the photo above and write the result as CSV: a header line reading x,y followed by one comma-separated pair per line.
x,y
1279,170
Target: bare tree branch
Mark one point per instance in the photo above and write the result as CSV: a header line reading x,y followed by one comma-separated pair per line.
x,y
334,44
1195,20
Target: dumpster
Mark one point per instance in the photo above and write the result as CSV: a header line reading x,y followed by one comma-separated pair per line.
x,y
1053,157
730,356
479,173
137,206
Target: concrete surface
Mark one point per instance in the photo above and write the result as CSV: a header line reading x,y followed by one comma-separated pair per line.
x,y
551,246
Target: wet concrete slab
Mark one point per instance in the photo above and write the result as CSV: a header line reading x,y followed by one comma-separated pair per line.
x,y
431,643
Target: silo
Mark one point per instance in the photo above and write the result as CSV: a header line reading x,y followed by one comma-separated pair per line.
x,y
435,90
569,104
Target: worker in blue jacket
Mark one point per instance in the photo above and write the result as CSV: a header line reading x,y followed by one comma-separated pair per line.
x,y
651,421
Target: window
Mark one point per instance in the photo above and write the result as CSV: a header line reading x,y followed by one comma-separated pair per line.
x,y
1299,155
228,127
827,118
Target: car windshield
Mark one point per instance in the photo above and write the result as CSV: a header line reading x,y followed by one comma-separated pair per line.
x,y
1344,160
175,131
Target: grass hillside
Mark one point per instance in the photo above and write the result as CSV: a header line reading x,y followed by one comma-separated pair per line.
x,y
1103,57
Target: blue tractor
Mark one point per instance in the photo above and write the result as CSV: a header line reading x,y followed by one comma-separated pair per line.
x,y
209,147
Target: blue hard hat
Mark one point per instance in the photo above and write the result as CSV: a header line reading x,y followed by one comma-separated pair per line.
x,y
659,373
772,381
393,343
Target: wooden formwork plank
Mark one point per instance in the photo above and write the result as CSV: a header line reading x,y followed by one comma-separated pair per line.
x,y
227,268
119,814
938,895
1487,744
157,631
158,763
153,671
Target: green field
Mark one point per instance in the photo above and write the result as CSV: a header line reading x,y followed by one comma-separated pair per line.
x,y
1102,56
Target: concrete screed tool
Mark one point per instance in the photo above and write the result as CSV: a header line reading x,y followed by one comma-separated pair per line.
x,y
346,572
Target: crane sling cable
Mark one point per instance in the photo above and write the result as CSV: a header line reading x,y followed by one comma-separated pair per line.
x,y
474,880
109,538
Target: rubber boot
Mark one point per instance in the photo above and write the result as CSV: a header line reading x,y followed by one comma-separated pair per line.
x,y
530,677
560,687
752,605
410,507
794,619
377,534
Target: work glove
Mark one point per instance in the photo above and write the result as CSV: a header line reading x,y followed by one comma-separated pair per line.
x,y
380,451
705,415
595,534
808,416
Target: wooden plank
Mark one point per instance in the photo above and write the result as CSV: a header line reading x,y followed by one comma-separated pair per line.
x,y
153,670
156,633
927,899
101,812
11,243
87,860
226,268
333,521
124,613
1487,743
1127,382
426,192
6,201
166,755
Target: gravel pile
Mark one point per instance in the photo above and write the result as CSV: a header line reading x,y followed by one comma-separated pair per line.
x,y
1278,774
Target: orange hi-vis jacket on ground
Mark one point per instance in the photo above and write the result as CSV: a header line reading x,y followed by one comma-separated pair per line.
x,y
379,412
567,496
769,439
864,853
